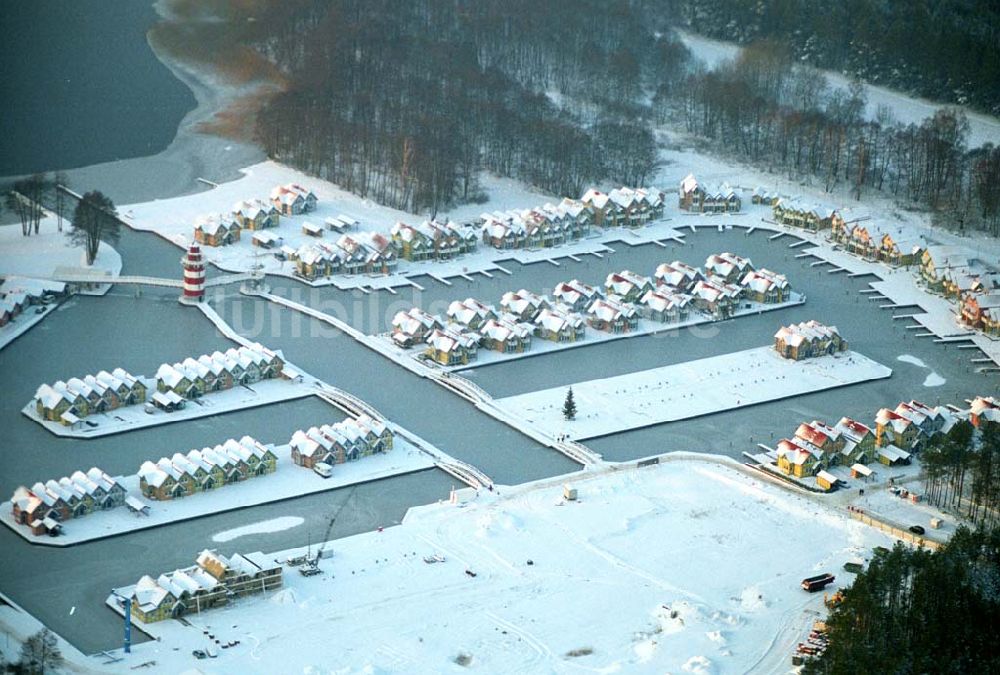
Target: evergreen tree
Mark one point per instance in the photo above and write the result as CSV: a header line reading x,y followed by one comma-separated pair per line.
x,y
40,654
916,611
569,406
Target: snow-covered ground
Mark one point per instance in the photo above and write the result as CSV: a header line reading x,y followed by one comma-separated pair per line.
x,y
132,417
689,389
174,219
689,566
288,481
40,254
907,109
539,346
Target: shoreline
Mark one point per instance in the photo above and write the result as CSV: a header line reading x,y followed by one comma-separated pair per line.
x,y
190,155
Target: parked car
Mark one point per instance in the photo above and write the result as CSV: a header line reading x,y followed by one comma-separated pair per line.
x,y
323,469
916,529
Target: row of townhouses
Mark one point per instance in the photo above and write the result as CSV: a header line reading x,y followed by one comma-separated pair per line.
x,y
355,253
433,240
808,339
214,580
45,506
897,434
70,401
955,273
345,441
668,297
192,378
695,197
206,469
891,246
554,224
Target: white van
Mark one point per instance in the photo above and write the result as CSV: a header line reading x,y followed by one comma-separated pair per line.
x,y
323,469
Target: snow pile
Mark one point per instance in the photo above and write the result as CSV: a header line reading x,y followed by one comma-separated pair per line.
x,y
263,527
932,380
699,665
752,600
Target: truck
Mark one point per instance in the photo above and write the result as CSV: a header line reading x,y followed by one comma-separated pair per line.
x,y
818,582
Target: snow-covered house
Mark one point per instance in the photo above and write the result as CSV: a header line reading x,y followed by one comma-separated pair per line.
x,y
524,304
192,377
612,315
76,398
293,199
937,261
210,583
892,428
664,305
829,440
627,285
502,235
808,339
765,286
693,196
451,346
715,297
728,266
859,442
721,199
762,195
413,326
636,206
471,313
216,230
344,441
984,409
605,211
506,334
810,217
255,214
798,458
690,194
559,324
411,243
576,294
581,214
678,275
206,469
71,496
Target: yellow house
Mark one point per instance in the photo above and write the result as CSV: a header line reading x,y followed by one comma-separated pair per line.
x,y
795,460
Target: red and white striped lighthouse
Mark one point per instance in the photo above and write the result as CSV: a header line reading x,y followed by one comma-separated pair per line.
x,y
194,275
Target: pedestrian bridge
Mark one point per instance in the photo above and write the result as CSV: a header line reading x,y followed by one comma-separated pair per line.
x,y
84,278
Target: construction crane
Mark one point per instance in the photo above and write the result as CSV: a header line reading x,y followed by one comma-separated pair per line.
x,y
311,565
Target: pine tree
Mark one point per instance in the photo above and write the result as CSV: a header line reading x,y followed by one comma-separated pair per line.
x,y
569,406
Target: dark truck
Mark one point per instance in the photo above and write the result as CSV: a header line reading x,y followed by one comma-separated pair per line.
x,y
817,583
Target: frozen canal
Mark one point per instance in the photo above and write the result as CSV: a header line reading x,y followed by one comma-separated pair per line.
x,y
138,333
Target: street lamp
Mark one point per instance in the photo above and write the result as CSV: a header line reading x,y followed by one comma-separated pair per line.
x,y
128,619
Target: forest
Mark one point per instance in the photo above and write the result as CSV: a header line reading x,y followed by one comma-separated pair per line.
x,y
408,103
958,60
917,611
963,472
